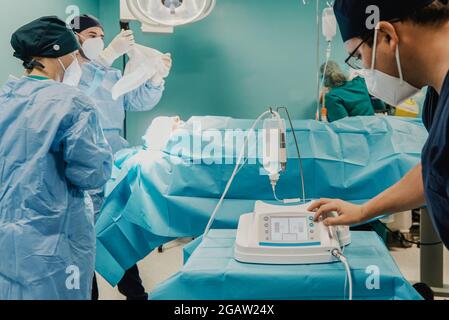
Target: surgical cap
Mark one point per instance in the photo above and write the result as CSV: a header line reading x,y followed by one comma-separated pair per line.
x,y
47,37
352,15
84,22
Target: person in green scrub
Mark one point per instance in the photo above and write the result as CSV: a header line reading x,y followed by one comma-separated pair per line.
x,y
343,97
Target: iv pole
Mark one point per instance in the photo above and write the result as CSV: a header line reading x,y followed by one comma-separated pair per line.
x,y
124,25
318,60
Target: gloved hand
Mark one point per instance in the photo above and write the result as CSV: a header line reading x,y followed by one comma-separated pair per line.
x,y
158,79
168,62
121,45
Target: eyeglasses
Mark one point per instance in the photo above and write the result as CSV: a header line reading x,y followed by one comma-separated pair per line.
x,y
354,60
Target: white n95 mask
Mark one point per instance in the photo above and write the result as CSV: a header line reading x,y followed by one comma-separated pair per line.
x,y
387,88
72,75
92,48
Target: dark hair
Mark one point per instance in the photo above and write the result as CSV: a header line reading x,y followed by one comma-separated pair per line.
x,y
435,14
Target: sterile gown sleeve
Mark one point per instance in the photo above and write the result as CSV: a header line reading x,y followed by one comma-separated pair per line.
x,y
335,108
87,155
144,98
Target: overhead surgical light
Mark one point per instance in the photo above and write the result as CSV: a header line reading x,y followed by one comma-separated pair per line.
x,y
170,13
172,5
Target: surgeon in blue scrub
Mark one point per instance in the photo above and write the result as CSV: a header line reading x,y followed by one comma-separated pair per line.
x,y
52,150
99,78
404,51
97,81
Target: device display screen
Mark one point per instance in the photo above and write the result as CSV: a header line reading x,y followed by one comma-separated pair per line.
x,y
289,229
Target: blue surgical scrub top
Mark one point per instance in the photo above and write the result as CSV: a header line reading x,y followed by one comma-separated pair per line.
x,y
435,158
52,150
97,82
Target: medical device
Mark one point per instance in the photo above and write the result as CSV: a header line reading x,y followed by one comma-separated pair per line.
x,y
240,163
288,235
274,157
274,148
283,234
163,15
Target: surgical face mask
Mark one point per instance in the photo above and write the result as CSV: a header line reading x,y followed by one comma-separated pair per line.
x,y
72,74
92,48
387,88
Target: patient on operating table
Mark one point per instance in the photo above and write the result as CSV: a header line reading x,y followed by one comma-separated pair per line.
x,y
160,132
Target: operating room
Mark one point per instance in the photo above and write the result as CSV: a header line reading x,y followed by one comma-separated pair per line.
x,y
219,150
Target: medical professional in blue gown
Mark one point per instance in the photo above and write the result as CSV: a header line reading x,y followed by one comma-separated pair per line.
x,y
97,81
99,78
406,51
52,149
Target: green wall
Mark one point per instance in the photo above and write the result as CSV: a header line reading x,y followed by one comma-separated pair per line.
x,y
16,13
247,55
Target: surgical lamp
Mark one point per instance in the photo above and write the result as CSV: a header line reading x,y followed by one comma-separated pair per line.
x,y
170,13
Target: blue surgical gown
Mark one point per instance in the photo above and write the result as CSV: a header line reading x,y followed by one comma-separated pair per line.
x,y
435,159
52,149
97,82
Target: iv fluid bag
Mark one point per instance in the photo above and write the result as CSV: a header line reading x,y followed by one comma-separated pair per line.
x,y
329,24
